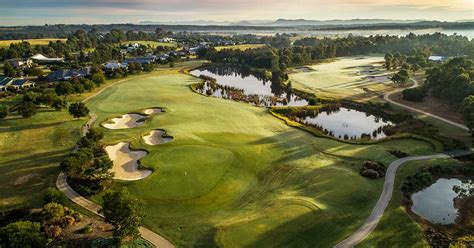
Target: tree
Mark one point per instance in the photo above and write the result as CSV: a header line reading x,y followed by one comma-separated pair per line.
x,y
98,78
3,111
9,70
124,212
78,110
400,77
64,89
467,111
22,234
59,103
36,71
413,94
27,109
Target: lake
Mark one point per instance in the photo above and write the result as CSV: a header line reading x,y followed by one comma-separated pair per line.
x,y
436,203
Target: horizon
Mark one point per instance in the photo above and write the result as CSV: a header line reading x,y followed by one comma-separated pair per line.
x,y
39,12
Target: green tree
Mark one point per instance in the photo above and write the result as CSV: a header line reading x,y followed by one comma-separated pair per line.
x,y
467,111
27,109
124,212
78,110
9,70
400,77
98,78
3,111
22,234
64,89
59,103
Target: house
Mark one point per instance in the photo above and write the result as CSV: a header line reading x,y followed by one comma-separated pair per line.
x,y
166,40
22,83
163,57
5,82
114,65
132,47
63,75
437,58
142,61
19,63
40,58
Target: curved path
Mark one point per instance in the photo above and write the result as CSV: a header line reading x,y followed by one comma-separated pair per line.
x,y
61,183
383,201
386,97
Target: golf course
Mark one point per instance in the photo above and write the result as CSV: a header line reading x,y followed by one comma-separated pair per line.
x,y
234,175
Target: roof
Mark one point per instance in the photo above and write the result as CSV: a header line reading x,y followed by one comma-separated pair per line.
x,y
436,58
5,81
20,82
41,57
67,74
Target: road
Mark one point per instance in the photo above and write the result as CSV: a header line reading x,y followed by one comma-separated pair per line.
x,y
386,97
61,183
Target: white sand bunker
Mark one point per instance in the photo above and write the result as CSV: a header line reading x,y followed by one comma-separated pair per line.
x,y
153,111
125,121
126,162
157,137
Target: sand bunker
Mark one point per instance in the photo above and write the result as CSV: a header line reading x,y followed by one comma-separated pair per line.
x,y
125,121
126,162
157,137
153,111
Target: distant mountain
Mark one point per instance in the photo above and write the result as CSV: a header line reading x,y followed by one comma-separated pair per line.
x,y
284,22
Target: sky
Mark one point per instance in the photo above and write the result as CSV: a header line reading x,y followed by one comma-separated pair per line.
x,y
40,12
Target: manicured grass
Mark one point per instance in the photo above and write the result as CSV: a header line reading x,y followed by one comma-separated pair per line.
x,y
396,228
155,44
33,42
344,78
234,175
241,47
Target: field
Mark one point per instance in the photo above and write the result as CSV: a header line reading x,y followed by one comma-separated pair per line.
x,y
33,42
241,47
154,44
355,78
236,176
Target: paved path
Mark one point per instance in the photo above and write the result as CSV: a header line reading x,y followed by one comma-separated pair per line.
x,y
383,201
386,97
63,186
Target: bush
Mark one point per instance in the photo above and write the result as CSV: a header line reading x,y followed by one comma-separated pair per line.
x,y
373,169
22,234
3,111
78,110
98,78
27,109
56,196
413,95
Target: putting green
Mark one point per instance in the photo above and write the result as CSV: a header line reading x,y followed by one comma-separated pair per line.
x,y
356,78
234,175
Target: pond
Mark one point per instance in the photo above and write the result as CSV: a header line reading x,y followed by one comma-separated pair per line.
x,y
233,81
437,203
344,123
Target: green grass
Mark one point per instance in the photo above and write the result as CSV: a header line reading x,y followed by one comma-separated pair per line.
x,y
235,176
342,78
33,42
240,47
396,228
155,44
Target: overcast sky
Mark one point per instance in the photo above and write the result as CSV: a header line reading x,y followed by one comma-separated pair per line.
x,y
39,12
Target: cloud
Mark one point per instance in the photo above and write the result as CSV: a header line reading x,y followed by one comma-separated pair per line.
x,y
94,11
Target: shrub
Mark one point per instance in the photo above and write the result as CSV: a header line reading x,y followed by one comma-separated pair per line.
x,y
413,94
3,111
27,109
22,234
98,78
56,196
373,169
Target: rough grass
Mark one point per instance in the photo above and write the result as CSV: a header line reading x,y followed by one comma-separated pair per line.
x,y
396,228
33,42
235,176
344,78
241,47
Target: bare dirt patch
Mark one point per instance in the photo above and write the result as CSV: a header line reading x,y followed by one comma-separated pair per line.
x,y
24,179
126,162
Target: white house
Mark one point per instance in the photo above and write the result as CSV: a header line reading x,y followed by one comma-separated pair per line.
x,y
17,63
22,83
5,82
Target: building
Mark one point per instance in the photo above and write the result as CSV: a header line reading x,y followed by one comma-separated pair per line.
x,y
437,58
5,82
22,83
114,65
142,61
40,58
166,40
64,75
20,63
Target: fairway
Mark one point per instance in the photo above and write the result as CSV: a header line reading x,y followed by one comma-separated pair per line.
x,y
155,44
33,42
355,78
236,176
241,47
